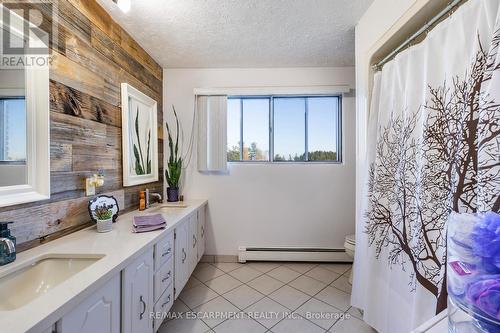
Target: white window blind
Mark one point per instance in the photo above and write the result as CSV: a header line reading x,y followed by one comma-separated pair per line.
x,y
212,133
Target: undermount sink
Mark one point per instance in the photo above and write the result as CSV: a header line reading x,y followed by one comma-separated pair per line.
x,y
39,277
173,205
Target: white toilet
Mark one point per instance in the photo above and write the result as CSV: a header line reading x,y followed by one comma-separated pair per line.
x,y
350,245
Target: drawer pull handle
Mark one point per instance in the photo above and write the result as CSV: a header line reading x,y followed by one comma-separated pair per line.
x,y
168,301
166,277
202,231
167,253
144,307
184,255
194,241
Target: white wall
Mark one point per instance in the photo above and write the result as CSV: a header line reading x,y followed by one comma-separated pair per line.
x,y
270,204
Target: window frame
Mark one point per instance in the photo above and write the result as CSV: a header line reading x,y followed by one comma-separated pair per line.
x,y
306,129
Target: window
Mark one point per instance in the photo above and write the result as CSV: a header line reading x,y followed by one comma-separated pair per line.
x,y
289,133
248,129
12,130
284,129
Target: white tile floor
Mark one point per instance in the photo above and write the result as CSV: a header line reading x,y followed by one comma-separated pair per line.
x,y
266,297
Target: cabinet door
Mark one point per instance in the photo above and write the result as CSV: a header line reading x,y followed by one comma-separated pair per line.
x,y
181,256
98,313
201,232
137,294
193,242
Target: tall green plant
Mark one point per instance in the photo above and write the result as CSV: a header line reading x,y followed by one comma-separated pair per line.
x,y
174,165
140,167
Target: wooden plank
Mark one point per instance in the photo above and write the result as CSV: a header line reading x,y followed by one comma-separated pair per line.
x,y
122,59
97,15
70,101
103,21
73,130
104,85
82,52
63,182
73,20
61,157
87,157
136,51
50,217
114,138
126,77
112,69
76,76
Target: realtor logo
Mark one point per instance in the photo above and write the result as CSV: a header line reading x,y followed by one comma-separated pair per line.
x,y
29,28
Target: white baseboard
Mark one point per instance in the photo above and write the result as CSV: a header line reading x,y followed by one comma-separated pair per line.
x,y
291,254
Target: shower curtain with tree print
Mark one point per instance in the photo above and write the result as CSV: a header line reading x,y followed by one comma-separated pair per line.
x,y
433,143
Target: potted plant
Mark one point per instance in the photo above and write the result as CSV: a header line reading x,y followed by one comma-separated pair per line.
x,y
104,217
174,165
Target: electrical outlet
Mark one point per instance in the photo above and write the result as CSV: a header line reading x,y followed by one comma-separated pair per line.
x,y
90,186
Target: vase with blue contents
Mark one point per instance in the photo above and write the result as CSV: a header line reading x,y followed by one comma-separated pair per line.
x,y
474,273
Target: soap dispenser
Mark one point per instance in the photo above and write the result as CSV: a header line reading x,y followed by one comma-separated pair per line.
x,y
7,244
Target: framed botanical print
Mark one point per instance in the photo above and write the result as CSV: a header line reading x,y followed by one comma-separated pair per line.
x,y
139,137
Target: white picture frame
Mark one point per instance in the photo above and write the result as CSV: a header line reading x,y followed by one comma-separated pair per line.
x,y
140,148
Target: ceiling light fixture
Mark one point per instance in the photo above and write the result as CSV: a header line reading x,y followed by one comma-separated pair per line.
x,y
124,5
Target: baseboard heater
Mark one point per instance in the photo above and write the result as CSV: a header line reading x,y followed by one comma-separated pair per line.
x,y
291,254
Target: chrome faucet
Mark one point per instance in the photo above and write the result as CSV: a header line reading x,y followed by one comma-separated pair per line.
x,y
156,195
8,245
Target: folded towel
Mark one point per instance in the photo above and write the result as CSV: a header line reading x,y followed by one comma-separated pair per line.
x,y
148,228
149,220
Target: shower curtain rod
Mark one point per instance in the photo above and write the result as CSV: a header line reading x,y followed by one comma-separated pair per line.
x,y
448,9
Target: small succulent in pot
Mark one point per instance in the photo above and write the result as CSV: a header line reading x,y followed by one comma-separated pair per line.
x,y
104,217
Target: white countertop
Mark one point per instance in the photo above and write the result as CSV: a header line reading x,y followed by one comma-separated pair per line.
x,y
119,246
437,324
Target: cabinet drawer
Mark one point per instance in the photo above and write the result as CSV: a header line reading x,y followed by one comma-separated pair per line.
x,y
164,250
163,278
162,306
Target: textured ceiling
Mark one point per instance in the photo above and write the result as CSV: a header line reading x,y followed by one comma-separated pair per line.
x,y
244,33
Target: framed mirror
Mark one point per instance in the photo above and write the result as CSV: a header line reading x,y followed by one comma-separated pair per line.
x,y
139,137
24,122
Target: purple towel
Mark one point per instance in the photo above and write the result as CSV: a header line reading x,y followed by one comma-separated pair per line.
x,y
146,229
149,221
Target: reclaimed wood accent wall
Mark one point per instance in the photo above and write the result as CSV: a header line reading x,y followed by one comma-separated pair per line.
x,y
92,57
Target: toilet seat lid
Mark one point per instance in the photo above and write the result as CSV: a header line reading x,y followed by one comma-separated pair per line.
x,y
351,239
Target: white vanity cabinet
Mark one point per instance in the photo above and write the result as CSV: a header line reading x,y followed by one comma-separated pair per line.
x,y
137,294
201,213
193,242
181,262
138,298
100,312
189,247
